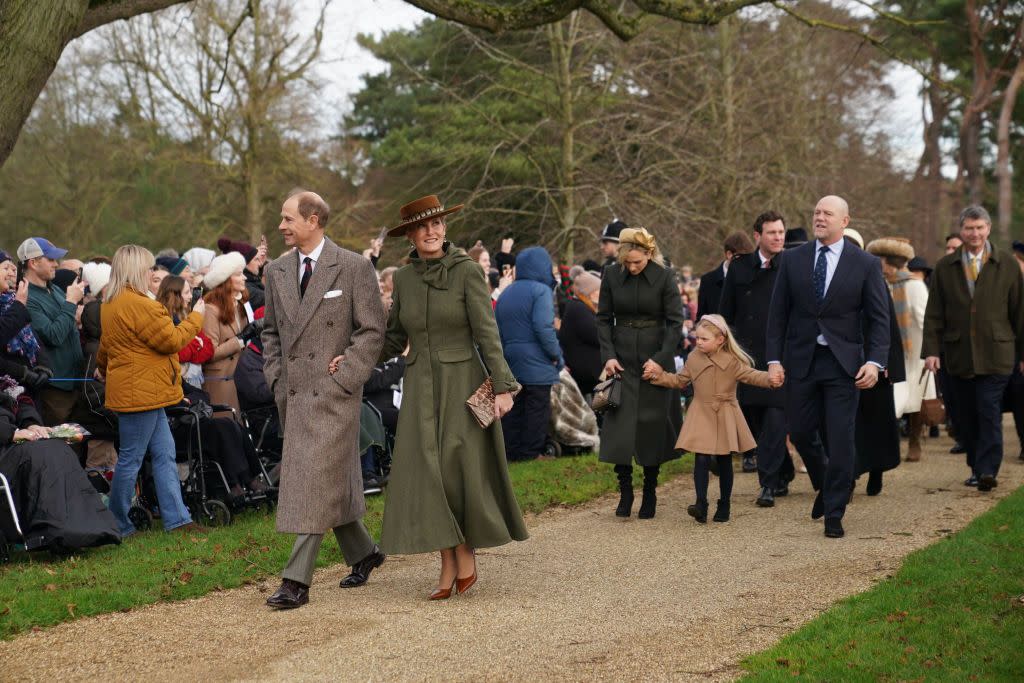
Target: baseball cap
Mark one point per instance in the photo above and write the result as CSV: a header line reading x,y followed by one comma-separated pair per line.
x,y
34,247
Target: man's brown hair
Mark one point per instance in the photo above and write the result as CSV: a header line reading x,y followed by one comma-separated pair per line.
x,y
311,203
738,243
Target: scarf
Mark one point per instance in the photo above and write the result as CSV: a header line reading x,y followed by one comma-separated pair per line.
x,y
901,304
24,343
12,395
434,272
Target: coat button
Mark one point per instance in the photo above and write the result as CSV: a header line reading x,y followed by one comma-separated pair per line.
x,y
330,323
291,392
315,393
291,358
312,355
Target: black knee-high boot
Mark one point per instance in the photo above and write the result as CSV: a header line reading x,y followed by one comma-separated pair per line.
x,y
625,475
650,500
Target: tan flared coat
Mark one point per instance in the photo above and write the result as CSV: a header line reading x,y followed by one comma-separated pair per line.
x,y
714,424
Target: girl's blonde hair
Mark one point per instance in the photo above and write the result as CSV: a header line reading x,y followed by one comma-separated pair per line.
x,y
129,269
717,324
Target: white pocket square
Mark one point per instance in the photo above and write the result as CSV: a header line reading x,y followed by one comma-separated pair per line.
x,y
333,293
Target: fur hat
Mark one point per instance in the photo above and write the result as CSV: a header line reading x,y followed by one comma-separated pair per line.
x,y
222,268
227,245
899,247
97,275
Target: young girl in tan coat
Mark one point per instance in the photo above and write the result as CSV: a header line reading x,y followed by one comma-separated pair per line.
x,y
714,426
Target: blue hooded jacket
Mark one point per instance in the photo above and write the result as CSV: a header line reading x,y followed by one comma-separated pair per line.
x,y
526,320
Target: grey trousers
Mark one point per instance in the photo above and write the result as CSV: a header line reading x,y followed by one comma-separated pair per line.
x,y
353,538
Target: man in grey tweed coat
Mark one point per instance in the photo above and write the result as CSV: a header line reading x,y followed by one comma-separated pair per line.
x,y
322,302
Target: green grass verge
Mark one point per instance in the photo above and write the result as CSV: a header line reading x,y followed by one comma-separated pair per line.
x,y
953,612
38,591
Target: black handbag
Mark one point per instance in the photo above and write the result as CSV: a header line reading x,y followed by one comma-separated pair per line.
x,y
607,395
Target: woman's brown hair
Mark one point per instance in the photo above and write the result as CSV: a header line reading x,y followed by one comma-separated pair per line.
x,y
224,299
169,295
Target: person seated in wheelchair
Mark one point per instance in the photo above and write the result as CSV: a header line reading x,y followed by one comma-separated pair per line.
x,y
54,505
378,422
227,442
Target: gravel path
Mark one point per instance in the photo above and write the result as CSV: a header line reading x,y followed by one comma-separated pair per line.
x,y
589,596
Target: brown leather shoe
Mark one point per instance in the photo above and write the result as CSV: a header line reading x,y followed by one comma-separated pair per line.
x,y
290,595
442,593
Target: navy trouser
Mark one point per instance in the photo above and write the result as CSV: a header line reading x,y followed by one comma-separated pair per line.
x,y
825,401
768,424
980,415
525,427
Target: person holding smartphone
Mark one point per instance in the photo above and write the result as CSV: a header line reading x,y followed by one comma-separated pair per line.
x,y
54,314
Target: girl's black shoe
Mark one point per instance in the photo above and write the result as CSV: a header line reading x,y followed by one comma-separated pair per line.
x,y
699,511
722,511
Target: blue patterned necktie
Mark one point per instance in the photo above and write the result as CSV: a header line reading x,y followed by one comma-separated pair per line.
x,y
820,273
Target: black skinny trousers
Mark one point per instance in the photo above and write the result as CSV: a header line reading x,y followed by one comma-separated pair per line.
x,y
701,473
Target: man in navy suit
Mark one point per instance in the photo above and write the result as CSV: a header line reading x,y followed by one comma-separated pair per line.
x,y
823,291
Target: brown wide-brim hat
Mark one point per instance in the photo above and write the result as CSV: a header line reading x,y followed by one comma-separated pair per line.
x,y
420,210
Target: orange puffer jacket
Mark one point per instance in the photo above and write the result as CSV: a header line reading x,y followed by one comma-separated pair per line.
x,y
139,352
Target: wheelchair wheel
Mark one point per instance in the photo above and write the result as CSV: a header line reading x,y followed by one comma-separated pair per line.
x,y
552,448
140,517
5,551
215,513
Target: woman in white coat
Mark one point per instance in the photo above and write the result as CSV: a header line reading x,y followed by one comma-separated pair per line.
x,y
910,298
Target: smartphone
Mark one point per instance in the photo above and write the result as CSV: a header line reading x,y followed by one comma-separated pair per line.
x,y
197,294
382,235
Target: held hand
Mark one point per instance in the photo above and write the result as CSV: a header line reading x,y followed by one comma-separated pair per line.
x,y
502,404
200,307
652,370
99,375
932,364
613,367
867,377
776,375
335,364
22,294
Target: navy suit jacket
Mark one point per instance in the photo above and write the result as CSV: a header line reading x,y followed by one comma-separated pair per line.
x,y
854,317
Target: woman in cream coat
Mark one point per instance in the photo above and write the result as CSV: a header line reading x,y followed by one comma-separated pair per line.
x,y
910,298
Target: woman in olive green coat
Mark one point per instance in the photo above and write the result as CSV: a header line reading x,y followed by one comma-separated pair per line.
x,y
449,488
639,321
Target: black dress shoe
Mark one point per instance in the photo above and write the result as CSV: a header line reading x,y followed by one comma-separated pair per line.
x,y
749,463
818,509
782,491
290,595
766,499
987,482
361,569
933,432
834,527
958,448
874,482
971,481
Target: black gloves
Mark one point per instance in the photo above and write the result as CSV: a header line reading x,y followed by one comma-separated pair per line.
x,y
251,331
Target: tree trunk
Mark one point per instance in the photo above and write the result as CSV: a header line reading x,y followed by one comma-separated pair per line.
x,y
1003,173
561,35
32,36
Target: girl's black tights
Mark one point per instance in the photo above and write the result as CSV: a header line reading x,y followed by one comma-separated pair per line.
x,y
702,470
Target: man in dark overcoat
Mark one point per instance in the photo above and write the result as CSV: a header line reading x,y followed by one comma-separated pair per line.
x,y
710,293
322,302
746,296
975,320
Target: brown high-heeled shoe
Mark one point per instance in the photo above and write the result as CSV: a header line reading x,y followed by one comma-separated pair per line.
x,y
443,593
463,585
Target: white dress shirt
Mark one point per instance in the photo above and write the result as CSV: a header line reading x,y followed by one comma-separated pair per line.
x,y
313,255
